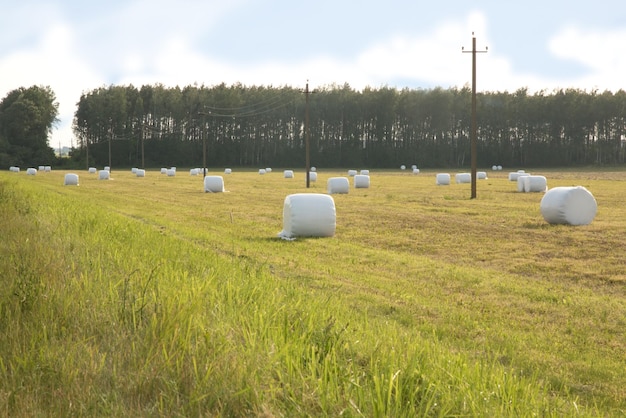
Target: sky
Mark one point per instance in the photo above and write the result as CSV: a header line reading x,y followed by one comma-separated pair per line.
x,y
75,46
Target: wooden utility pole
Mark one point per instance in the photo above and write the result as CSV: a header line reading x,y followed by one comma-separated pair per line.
x,y
306,136
143,134
202,133
110,139
473,134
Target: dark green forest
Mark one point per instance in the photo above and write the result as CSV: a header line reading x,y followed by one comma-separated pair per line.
x,y
375,127
27,116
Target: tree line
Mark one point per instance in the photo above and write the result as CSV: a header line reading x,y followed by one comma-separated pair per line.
x,y
376,127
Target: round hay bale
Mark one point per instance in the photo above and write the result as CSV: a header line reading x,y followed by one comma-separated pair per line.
x,y
134,170
481,175
313,169
41,168
140,172
268,169
413,167
193,172
402,167
173,169
227,171
14,169
534,184
47,169
443,179
499,168
261,171
104,175
308,215
463,178
92,170
494,167
107,168
416,171
213,184
361,181
513,176
520,183
312,176
288,174
71,179
338,185
31,171
568,205
163,170
365,172
352,173
171,172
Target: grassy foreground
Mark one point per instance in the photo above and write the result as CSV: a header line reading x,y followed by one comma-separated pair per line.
x,y
149,297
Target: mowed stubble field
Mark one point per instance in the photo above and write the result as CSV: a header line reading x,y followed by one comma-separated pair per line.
x,y
487,276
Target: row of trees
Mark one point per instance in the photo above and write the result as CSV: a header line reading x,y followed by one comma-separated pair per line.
x,y
27,116
384,127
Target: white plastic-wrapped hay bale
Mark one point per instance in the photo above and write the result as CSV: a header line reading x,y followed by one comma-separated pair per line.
x,y
313,169
228,171
92,170
499,168
171,172
402,167
413,167
104,175
31,171
361,181
364,172
463,178
261,171
288,174
107,168
481,175
416,171
520,181
14,169
268,169
568,205
163,170
443,179
71,179
134,170
514,175
534,184
140,172
352,173
308,215
312,176
173,169
213,184
338,185
494,168
193,172
41,168
47,169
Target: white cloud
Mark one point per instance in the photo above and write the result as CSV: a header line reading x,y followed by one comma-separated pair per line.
x,y
603,52
50,62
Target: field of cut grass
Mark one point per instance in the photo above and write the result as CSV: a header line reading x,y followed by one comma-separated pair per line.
x,y
147,296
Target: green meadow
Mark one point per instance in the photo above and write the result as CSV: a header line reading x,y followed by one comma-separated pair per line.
x,y
148,297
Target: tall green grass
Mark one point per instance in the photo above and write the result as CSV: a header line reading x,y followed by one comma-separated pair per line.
x,y
131,297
